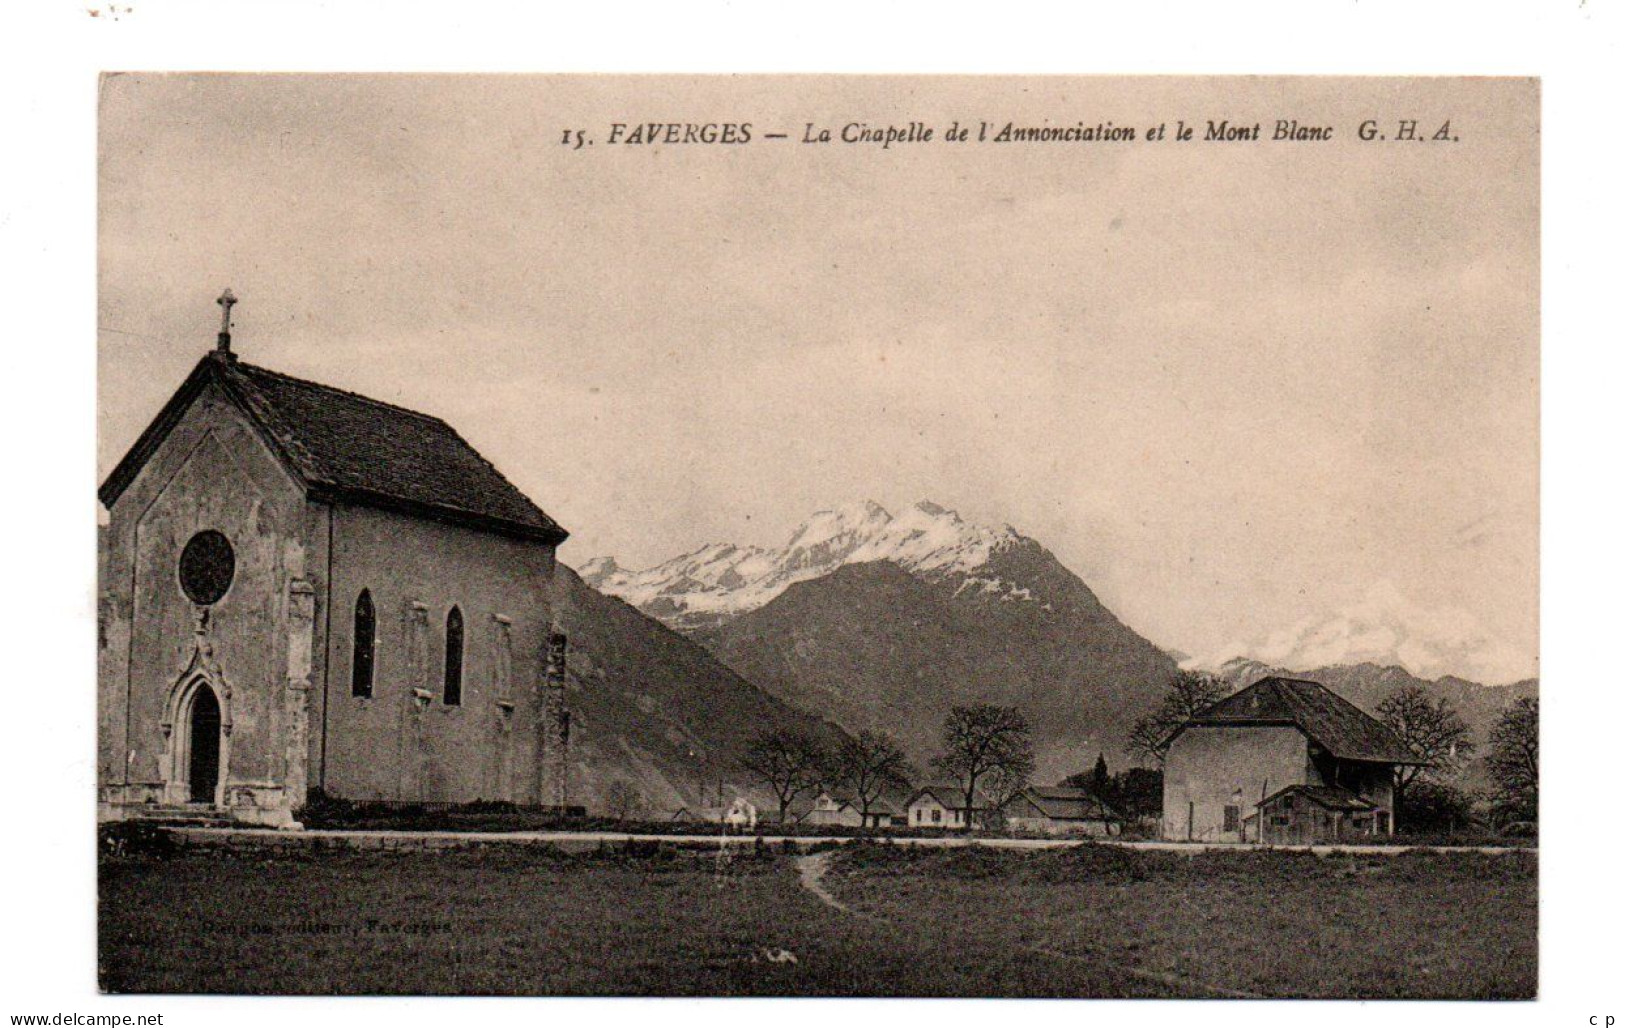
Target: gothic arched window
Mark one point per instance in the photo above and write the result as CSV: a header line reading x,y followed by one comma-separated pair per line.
x,y
362,644
453,694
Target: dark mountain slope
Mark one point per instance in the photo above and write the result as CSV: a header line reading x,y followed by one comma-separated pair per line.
x,y
873,646
655,710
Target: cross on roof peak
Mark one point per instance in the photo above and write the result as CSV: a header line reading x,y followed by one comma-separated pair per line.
x,y
223,341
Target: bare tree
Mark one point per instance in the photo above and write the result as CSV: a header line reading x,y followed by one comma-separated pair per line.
x,y
1001,785
1189,693
622,800
1432,730
789,761
870,764
1513,763
985,740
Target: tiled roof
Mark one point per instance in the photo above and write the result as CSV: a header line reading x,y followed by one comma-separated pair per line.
x,y
348,447
885,803
1343,729
949,796
1327,796
1066,804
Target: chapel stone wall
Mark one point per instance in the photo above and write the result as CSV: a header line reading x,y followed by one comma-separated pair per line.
x,y
404,742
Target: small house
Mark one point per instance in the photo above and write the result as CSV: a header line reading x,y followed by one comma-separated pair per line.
x,y
830,808
741,813
1302,814
1057,810
884,812
942,806
844,808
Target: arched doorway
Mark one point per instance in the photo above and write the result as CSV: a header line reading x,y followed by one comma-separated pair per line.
x,y
203,741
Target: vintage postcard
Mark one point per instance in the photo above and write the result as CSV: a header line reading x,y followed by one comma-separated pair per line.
x,y
818,535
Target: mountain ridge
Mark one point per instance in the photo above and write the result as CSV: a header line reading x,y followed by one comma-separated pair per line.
x,y
719,581
1383,626
929,612
883,622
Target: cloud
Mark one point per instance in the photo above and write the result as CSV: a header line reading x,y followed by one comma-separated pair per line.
x,y
1385,627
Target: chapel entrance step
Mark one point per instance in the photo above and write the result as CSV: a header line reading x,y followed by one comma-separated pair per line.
x,y
197,816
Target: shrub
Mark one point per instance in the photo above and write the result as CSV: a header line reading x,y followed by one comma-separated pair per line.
x,y
1433,808
135,839
323,811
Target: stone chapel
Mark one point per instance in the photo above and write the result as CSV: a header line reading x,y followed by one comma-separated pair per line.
x,y
305,589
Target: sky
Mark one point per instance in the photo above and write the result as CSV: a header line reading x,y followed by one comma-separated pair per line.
x,y
1240,388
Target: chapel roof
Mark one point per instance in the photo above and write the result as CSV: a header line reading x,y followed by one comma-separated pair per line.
x,y
347,447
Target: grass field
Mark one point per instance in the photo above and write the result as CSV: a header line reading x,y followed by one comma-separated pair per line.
x,y
1095,921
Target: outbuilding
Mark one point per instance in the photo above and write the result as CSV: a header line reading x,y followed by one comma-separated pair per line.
x,y
1057,810
1303,814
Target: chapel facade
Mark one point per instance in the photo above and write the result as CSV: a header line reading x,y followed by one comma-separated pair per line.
x,y
305,589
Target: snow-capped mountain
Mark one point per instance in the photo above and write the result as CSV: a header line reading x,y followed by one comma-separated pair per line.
x,y
1385,628
886,623
721,581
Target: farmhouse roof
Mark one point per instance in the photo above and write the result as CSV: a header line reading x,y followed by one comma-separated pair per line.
x,y
347,447
950,796
885,803
1062,803
1344,730
1327,796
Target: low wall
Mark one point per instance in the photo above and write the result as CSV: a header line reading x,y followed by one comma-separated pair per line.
x,y
262,840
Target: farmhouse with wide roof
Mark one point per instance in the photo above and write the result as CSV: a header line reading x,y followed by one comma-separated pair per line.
x,y
1283,760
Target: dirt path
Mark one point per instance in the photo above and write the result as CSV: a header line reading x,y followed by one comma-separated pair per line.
x,y
812,868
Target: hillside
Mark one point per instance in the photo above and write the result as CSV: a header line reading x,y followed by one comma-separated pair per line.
x,y
653,709
884,622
